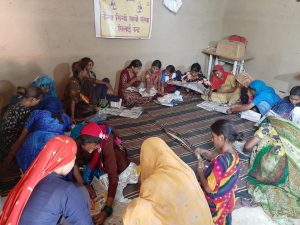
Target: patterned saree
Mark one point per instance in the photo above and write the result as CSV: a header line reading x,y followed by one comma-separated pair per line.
x,y
222,175
275,170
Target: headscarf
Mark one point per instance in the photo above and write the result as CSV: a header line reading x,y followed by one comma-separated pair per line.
x,y
52,104
258,86
244,79
215,81
45,81
58,152
101,131
170,192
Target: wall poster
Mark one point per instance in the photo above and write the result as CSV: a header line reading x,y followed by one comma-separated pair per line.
x,y
123,18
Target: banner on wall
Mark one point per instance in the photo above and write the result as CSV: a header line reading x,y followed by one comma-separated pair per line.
x,y
123,18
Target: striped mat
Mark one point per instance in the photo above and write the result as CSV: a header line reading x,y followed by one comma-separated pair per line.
x,y
190,121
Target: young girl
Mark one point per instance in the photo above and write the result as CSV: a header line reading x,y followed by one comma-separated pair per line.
x,y
195,75
153,76
167,75
219,179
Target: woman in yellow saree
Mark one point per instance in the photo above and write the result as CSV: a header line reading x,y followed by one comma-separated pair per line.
x,y
170,193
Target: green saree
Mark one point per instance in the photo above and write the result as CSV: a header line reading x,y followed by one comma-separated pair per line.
x,y
274,177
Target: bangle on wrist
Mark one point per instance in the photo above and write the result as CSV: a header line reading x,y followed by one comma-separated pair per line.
x,y
108,210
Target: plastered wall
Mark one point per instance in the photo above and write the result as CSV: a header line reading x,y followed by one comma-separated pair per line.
x,y
273,31
40,36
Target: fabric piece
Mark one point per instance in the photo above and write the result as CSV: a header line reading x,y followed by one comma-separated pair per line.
x,y
183,203
42,127
222,175
52,104
58,152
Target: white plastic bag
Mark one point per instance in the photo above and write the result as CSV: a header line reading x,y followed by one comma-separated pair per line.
x,y
173,5
128,176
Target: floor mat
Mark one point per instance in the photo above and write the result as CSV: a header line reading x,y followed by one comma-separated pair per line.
x,y
191,122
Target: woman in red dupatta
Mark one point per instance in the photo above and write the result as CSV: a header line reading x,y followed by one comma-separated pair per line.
x,y
224,88
59,152
129,78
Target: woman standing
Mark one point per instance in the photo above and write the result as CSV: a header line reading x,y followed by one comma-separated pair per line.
x,y
41,126
28,202
129,78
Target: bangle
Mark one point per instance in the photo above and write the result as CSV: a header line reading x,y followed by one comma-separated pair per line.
x,y
108,210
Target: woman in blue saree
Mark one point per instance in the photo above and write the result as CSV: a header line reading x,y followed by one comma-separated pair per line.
x,y
40,127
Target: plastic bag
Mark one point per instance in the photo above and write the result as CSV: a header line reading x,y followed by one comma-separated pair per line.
x,y
173,5
129,176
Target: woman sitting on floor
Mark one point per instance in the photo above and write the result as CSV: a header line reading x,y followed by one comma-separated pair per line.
x,y
99,151
153,76
169,193
100,86
220,178
48,86
13,120
41,126
129,78
264,98
287,104
224,88
169,74
275,168
76,104
43,196
195,75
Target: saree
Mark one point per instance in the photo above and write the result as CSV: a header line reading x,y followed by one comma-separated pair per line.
x,y
222,175
130,98
58,152
274,175
170,193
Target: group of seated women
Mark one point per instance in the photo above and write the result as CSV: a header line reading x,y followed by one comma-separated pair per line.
x,y
61,168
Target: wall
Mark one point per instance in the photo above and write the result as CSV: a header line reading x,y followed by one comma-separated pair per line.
x,y
47,36
273,30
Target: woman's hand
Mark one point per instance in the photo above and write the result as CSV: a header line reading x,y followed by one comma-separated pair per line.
x,y
200,151
91,191
201,165
100,218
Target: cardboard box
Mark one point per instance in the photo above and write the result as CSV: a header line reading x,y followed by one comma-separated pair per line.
x,y
231,49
